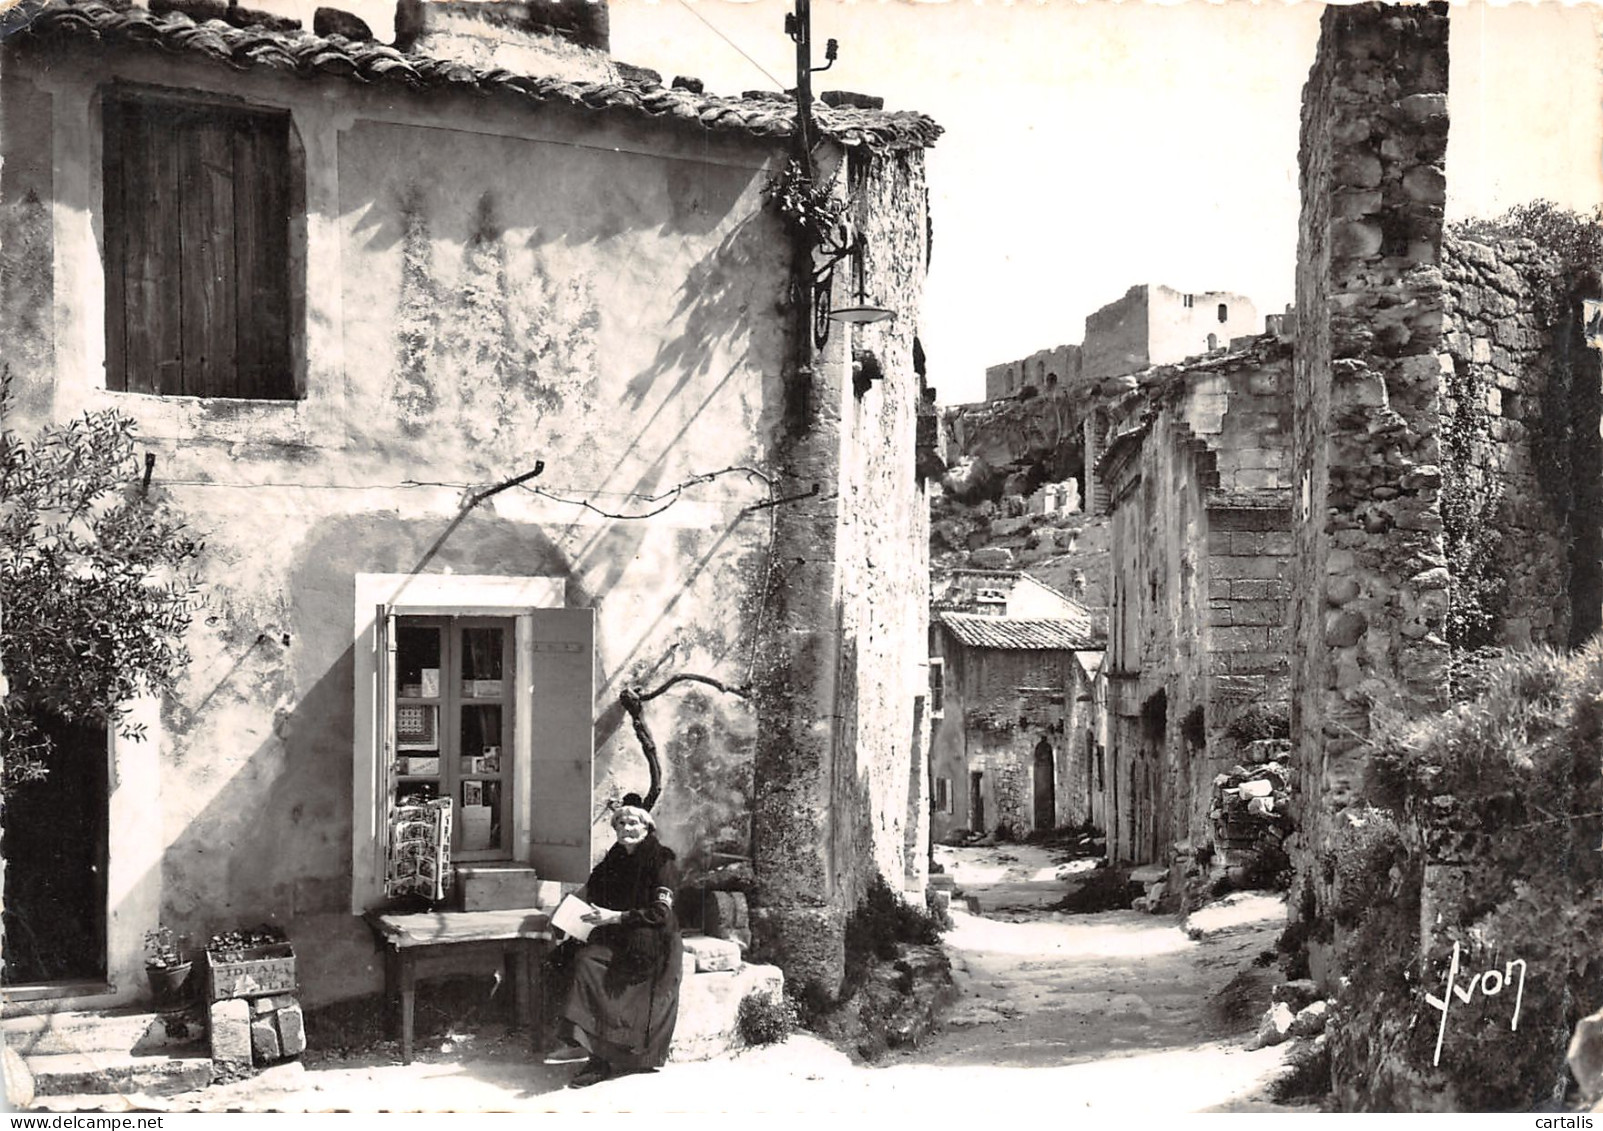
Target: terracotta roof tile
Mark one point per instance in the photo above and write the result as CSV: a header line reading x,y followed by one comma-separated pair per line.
x,y
307,55
977,631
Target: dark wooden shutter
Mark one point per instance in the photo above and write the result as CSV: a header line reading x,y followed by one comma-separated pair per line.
x,y
142,239
197,247
206,236
261,245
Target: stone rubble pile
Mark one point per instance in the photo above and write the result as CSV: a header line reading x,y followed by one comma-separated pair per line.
x,y
1251,812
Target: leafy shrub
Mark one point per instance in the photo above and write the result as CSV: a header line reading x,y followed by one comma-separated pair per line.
x,y
878,927
97,581
1104,889
766,1019
1258,721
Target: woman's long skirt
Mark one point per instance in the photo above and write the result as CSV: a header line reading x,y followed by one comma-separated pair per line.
x,y
630,1027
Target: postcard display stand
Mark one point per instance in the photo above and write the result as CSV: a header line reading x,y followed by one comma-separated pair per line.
x,y
420,850
254,1017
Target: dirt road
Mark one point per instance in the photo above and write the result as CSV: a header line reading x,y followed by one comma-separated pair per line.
x,y
1108,1012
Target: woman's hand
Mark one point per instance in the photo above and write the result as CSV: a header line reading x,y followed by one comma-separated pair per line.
x,y
600,917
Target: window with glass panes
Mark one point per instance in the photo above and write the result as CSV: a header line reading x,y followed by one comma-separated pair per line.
x,y
453,721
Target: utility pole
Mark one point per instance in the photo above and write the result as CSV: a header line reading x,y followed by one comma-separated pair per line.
x,y
802,33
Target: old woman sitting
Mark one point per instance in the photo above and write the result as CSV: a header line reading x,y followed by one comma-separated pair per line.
x,y
624,998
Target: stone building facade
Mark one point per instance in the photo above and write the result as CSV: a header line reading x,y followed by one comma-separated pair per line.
x,y
1151,325
470,274
1014,738
1196,465
1158,325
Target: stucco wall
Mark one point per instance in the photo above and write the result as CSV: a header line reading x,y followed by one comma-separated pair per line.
x,y
483,288
883,540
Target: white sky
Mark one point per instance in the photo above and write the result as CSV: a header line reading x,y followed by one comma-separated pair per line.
x,y
1091,146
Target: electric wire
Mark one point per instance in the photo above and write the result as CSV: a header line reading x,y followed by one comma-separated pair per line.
x,y
780,85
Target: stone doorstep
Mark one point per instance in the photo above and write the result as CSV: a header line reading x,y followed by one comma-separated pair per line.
x,y
710,954
709,1009
118,1032
64,1074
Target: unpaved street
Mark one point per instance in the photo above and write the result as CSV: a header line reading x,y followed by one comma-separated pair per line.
x,y
1107,1012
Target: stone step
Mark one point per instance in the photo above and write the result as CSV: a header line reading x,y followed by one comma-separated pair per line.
x,y
67,1074
709,1008
99,1031
705,954
1149,874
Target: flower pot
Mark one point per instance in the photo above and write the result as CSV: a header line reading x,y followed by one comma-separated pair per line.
x,y
169,985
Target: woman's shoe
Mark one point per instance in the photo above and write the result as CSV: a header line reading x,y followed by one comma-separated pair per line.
x,y
594,1071
568,1054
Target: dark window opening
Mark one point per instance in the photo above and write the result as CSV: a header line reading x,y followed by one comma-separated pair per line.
x,y
197,246
1224,313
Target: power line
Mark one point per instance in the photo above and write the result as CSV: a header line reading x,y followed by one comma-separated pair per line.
x,y
732,43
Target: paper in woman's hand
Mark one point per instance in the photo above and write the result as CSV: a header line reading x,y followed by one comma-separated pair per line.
x,y
569,917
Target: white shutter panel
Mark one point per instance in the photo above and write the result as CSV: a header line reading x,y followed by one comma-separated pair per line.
x,y
562,716
384,736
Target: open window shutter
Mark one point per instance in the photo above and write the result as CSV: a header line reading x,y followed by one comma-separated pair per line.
x,y
383,733
562,717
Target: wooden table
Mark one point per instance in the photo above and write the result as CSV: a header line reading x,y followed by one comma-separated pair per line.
x,y
457,942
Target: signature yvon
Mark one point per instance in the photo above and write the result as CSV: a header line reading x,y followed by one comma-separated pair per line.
x,y
1490,983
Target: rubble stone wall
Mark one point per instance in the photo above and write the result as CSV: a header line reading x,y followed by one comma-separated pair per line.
x,y
999,704
1508,425
1370,574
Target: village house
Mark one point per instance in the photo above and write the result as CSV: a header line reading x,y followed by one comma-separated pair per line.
x,y
474,361
1194,464
1012,662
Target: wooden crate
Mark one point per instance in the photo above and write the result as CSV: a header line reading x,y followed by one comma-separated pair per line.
x,y
250,973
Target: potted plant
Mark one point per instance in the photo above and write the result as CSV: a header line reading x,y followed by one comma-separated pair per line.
x,y
165,967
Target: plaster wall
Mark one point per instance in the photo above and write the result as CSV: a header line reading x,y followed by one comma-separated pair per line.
x,y
481,288
882,547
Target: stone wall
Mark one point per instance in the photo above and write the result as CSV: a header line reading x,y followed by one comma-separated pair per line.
x,y
1369,579
1044,371
1517,432
1198,478
999,704
842,682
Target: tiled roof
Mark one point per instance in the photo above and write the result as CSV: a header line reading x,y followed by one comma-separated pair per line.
x,y
302,53
978,631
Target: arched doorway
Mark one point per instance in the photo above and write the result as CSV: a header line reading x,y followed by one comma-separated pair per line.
x,y
1046,804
